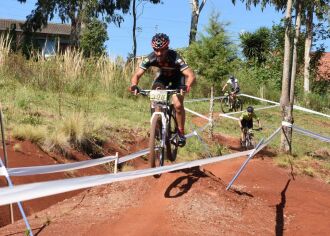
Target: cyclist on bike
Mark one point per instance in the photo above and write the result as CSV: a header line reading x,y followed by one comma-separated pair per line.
x,y
232,82
246,121
174,73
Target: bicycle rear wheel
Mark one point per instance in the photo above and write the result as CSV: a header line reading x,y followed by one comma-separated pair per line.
x,y
156,150
172,139
225,105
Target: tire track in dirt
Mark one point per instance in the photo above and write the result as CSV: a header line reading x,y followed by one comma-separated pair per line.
x,y
148,217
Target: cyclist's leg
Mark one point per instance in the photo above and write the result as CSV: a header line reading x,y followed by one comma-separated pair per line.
x,y
244,125
250,124
177,100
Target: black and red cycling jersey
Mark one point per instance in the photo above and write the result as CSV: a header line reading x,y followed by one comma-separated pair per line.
x,y
170,67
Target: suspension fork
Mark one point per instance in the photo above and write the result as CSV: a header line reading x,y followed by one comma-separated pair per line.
x,y
163,117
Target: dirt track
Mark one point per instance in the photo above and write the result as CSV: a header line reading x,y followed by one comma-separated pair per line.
x,y
265,200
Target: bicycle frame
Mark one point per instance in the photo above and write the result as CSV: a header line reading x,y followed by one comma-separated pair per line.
x,y
161,102
164,119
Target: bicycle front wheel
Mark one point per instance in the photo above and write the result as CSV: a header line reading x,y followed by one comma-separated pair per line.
x,y
156,149
224,104
250,144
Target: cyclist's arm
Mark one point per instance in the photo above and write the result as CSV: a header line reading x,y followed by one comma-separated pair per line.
x,y
224,87
259,123
190,76
137,75
240,121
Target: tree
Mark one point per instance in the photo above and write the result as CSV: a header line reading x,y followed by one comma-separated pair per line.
x,y
295,50
134,7
321,9
256,45
256,48
196,10
93,38
212,55
74,11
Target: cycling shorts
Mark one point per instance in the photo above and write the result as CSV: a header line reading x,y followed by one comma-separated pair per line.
x,y
170,83
236,91
247,124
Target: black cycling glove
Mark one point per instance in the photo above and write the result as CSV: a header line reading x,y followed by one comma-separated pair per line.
x,y
135,88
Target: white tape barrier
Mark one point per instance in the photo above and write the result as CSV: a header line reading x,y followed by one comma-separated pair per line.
x,y
197,114
265,100
294,106
270,138
310,111
43,189
203,99
23,171
4,171
311,134
133,156
10,184
260,99
228,115
36,170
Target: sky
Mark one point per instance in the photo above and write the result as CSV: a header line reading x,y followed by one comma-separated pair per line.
x,y
172,17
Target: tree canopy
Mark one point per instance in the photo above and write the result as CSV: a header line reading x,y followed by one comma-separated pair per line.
x,y
212,55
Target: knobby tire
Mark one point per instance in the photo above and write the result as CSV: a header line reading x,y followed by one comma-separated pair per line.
x,y
156,157
172,138
224,104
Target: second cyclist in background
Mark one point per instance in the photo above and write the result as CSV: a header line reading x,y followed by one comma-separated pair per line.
x,y
246,122
234,89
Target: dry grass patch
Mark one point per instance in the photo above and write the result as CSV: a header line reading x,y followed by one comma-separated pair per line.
x,y
17,147
36,134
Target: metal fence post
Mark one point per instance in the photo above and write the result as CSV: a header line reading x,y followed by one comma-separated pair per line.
x,y
116,164
5,157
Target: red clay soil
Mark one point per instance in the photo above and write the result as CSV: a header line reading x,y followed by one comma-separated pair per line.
x,y
264,200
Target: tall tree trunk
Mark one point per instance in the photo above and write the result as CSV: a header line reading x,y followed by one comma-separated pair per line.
x,y
294,56
308,45
194,19
75,25
134,29
285,102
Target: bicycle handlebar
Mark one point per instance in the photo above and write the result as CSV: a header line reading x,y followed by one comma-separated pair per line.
x,y
145,92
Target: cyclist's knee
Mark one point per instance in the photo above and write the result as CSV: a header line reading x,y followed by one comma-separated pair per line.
x,y
178,106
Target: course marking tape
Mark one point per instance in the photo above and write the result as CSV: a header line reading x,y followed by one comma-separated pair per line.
x,y
197,114
203,99
260,99
43,189
311,134
36,170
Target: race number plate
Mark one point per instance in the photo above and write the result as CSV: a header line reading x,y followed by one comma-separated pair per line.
x,y
158,95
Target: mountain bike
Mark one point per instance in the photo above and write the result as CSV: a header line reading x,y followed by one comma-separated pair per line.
x,y
164,135
249,143
228,104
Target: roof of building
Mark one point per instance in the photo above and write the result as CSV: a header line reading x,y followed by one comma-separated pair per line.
x,y
324,66
51,28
